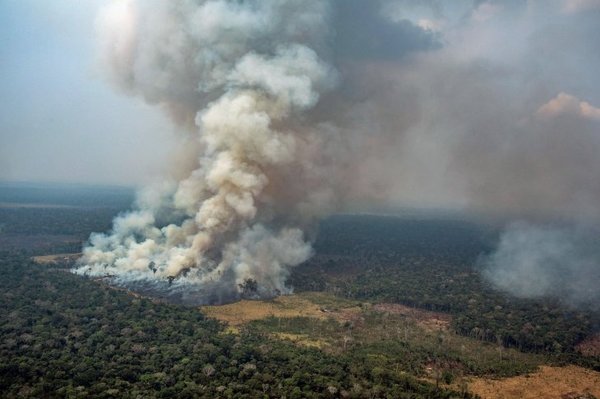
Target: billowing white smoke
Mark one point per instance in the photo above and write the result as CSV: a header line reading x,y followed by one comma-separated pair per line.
x,y
557,262
441,110
239,75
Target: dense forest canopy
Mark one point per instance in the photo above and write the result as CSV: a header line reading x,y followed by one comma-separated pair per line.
x,y
64,335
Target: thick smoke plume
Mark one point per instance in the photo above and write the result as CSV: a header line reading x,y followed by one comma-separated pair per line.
x,y
240,76
295,108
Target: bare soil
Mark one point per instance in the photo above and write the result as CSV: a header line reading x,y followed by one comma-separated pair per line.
x,y
57,258
246,311
568,382
306,304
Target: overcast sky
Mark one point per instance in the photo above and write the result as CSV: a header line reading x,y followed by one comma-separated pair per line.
x,y
59,119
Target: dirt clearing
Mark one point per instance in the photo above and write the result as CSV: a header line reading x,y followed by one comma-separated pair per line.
x,y
246,311
549,382
307,304
57,258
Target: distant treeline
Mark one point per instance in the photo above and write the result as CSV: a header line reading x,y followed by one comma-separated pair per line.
x,y
78,222
66,194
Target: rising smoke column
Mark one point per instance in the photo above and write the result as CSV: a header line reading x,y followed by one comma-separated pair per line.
x,y
239,76
431,103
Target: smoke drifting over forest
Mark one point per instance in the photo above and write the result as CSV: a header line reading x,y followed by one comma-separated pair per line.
x,y
291,110
533,261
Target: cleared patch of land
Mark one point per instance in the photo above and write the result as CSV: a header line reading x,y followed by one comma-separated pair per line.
x,y
313,305
407,340
568,382
56,258
418,339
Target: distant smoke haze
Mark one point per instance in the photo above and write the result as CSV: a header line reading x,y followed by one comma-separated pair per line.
x,y
293,110
556,262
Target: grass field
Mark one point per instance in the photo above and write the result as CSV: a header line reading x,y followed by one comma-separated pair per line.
x,y
314,305
56,259
570,382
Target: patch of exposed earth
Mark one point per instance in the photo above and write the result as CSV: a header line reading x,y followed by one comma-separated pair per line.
x,y
570,382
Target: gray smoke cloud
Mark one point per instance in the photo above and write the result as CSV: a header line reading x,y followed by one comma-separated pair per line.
x,y
558,262
464,124
295,109
502,119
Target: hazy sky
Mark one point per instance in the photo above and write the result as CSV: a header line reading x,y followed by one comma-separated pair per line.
x,y
59,120
296,109
491,102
